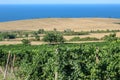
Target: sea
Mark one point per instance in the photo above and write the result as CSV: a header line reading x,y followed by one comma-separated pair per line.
x,y
9,12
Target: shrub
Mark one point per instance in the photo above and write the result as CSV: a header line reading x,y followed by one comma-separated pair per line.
x,y
111,37
40,31
26,42
76,33
6,35
83,39
35,33
53,37
37,38
11,36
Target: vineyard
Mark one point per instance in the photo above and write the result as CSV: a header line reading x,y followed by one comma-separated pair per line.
x,y
86,61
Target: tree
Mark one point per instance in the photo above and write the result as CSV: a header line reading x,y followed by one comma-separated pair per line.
x,y
11,36
6,35
53,37
40,31
26,42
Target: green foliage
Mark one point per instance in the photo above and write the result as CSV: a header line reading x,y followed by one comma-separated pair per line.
x,y
37,38
84,39
11,36
6,35
26,34
69,32
70,61
111,37
104,31
26,42
35,33
53,37
40,31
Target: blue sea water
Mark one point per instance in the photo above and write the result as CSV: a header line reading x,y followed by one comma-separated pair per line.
x,y
21,12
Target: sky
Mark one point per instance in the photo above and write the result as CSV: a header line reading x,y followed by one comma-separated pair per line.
x,y
59,1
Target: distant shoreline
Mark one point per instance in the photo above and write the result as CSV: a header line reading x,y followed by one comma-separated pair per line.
x,y
59,18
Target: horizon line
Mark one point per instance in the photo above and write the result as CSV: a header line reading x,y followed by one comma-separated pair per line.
x,y
58,3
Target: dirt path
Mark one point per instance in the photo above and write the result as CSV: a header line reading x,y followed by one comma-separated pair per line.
x,y
96,35
19,42
38,43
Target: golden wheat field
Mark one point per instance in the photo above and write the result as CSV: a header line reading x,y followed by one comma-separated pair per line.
x,y
76,24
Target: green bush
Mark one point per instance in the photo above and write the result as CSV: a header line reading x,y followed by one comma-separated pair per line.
x,y
76,33
110,37
6,35
40,31
37,38
84,39
53,37
26,42
11,36
104,31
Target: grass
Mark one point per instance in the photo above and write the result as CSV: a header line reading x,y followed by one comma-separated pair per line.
x,y
1,76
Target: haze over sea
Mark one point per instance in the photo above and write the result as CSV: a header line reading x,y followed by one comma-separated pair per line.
x,y
21,12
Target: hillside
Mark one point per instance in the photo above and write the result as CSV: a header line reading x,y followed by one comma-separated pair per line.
x,y
76,24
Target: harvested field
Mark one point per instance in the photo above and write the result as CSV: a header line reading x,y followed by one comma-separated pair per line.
x,y
96,35
76,24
